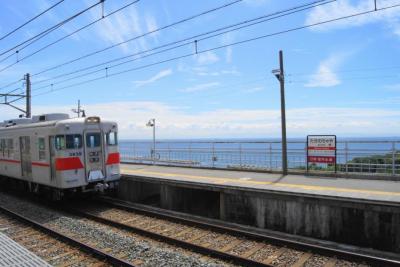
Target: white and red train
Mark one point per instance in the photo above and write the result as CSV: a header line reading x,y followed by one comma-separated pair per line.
x,y
54,153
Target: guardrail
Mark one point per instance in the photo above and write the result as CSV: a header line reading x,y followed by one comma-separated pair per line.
x,y
353,157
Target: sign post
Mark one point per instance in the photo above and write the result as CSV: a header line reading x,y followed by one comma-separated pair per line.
x,y
321,149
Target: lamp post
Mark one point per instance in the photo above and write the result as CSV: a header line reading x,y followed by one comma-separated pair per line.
x,y
152,123
280,75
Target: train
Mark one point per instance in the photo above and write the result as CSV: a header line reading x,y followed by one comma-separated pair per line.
x,y
59,155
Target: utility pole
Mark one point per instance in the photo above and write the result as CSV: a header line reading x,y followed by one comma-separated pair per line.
x,y
280,75
28,113
79,110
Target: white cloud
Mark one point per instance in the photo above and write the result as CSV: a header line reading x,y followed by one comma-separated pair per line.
x,y
206,58
226,39
125,25
200,87
325,75
158,76
340,8
175,122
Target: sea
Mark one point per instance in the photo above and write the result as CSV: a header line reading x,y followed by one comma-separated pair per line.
x,y
252,153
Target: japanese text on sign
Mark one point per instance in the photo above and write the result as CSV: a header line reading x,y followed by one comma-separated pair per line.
x,y
321,149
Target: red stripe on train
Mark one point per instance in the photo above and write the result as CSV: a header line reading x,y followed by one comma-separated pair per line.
x,y
64,164
40,164
10,160
113,158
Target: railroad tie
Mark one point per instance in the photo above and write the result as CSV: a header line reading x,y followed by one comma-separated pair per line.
x,y
275,256
187,230
331,263
302,259
62,255
195,237
74,261
253,250
37,238
231,245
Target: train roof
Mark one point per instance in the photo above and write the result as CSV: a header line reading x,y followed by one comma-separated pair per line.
x,y
47,120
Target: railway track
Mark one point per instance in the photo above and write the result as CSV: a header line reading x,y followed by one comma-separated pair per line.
x,y
238,247
53,246
235,246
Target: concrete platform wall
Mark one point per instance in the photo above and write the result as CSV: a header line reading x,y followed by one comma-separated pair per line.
x,y
360,223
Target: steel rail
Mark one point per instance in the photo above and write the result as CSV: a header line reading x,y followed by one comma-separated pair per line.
x,y
170,240
314,248
72,241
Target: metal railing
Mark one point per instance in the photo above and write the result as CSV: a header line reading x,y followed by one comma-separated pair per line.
x,y
353,157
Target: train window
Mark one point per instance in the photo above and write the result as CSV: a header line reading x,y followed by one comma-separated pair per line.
x,y
60,142
42,148
73,141
2,145
93,139
112,139
10,146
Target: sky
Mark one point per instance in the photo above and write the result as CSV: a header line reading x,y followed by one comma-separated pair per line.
x,y
341,77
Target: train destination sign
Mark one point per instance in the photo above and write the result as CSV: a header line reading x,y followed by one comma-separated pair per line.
x,y
321,149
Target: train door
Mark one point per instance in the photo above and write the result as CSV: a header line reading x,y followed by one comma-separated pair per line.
x,y
52,149
94,159
26,161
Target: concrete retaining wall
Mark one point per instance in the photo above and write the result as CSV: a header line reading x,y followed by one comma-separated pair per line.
x,y
361,223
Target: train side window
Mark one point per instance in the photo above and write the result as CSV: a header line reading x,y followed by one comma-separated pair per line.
x,y
112,139
42,148
10,146
92,140
73,141
2,146
60,142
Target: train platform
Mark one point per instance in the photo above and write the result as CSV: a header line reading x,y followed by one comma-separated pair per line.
x,y
13,254
356,189
363,213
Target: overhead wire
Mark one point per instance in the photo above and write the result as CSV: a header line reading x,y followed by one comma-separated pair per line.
x,y
30,20
142,35
68,35
224,46
52,28
189,40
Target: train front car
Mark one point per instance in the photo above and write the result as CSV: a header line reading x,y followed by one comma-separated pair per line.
x,y
84,155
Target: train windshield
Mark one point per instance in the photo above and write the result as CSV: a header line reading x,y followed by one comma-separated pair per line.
x,y
92,140
111,139
73,141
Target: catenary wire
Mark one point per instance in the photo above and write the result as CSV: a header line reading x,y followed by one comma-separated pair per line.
x,y
189,40
68,35
141,36
30,20
52,28
223,46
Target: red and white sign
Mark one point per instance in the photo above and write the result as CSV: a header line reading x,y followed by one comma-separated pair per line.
x,y
321,149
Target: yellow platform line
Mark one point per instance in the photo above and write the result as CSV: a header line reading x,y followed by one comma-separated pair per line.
x,y
223,180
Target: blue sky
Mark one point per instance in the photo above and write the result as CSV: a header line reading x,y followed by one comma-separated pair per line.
x,y
342,78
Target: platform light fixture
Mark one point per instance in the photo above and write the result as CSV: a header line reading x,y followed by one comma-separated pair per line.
x,y
152,123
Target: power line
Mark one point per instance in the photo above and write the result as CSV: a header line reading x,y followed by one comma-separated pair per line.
x,y
141,36
68,35
51,29
12,83
224,46
30,20
189,40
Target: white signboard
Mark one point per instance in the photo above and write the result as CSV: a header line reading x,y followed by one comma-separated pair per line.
x,y
321,149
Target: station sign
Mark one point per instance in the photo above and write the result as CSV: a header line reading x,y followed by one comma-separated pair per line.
x,y
321,149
